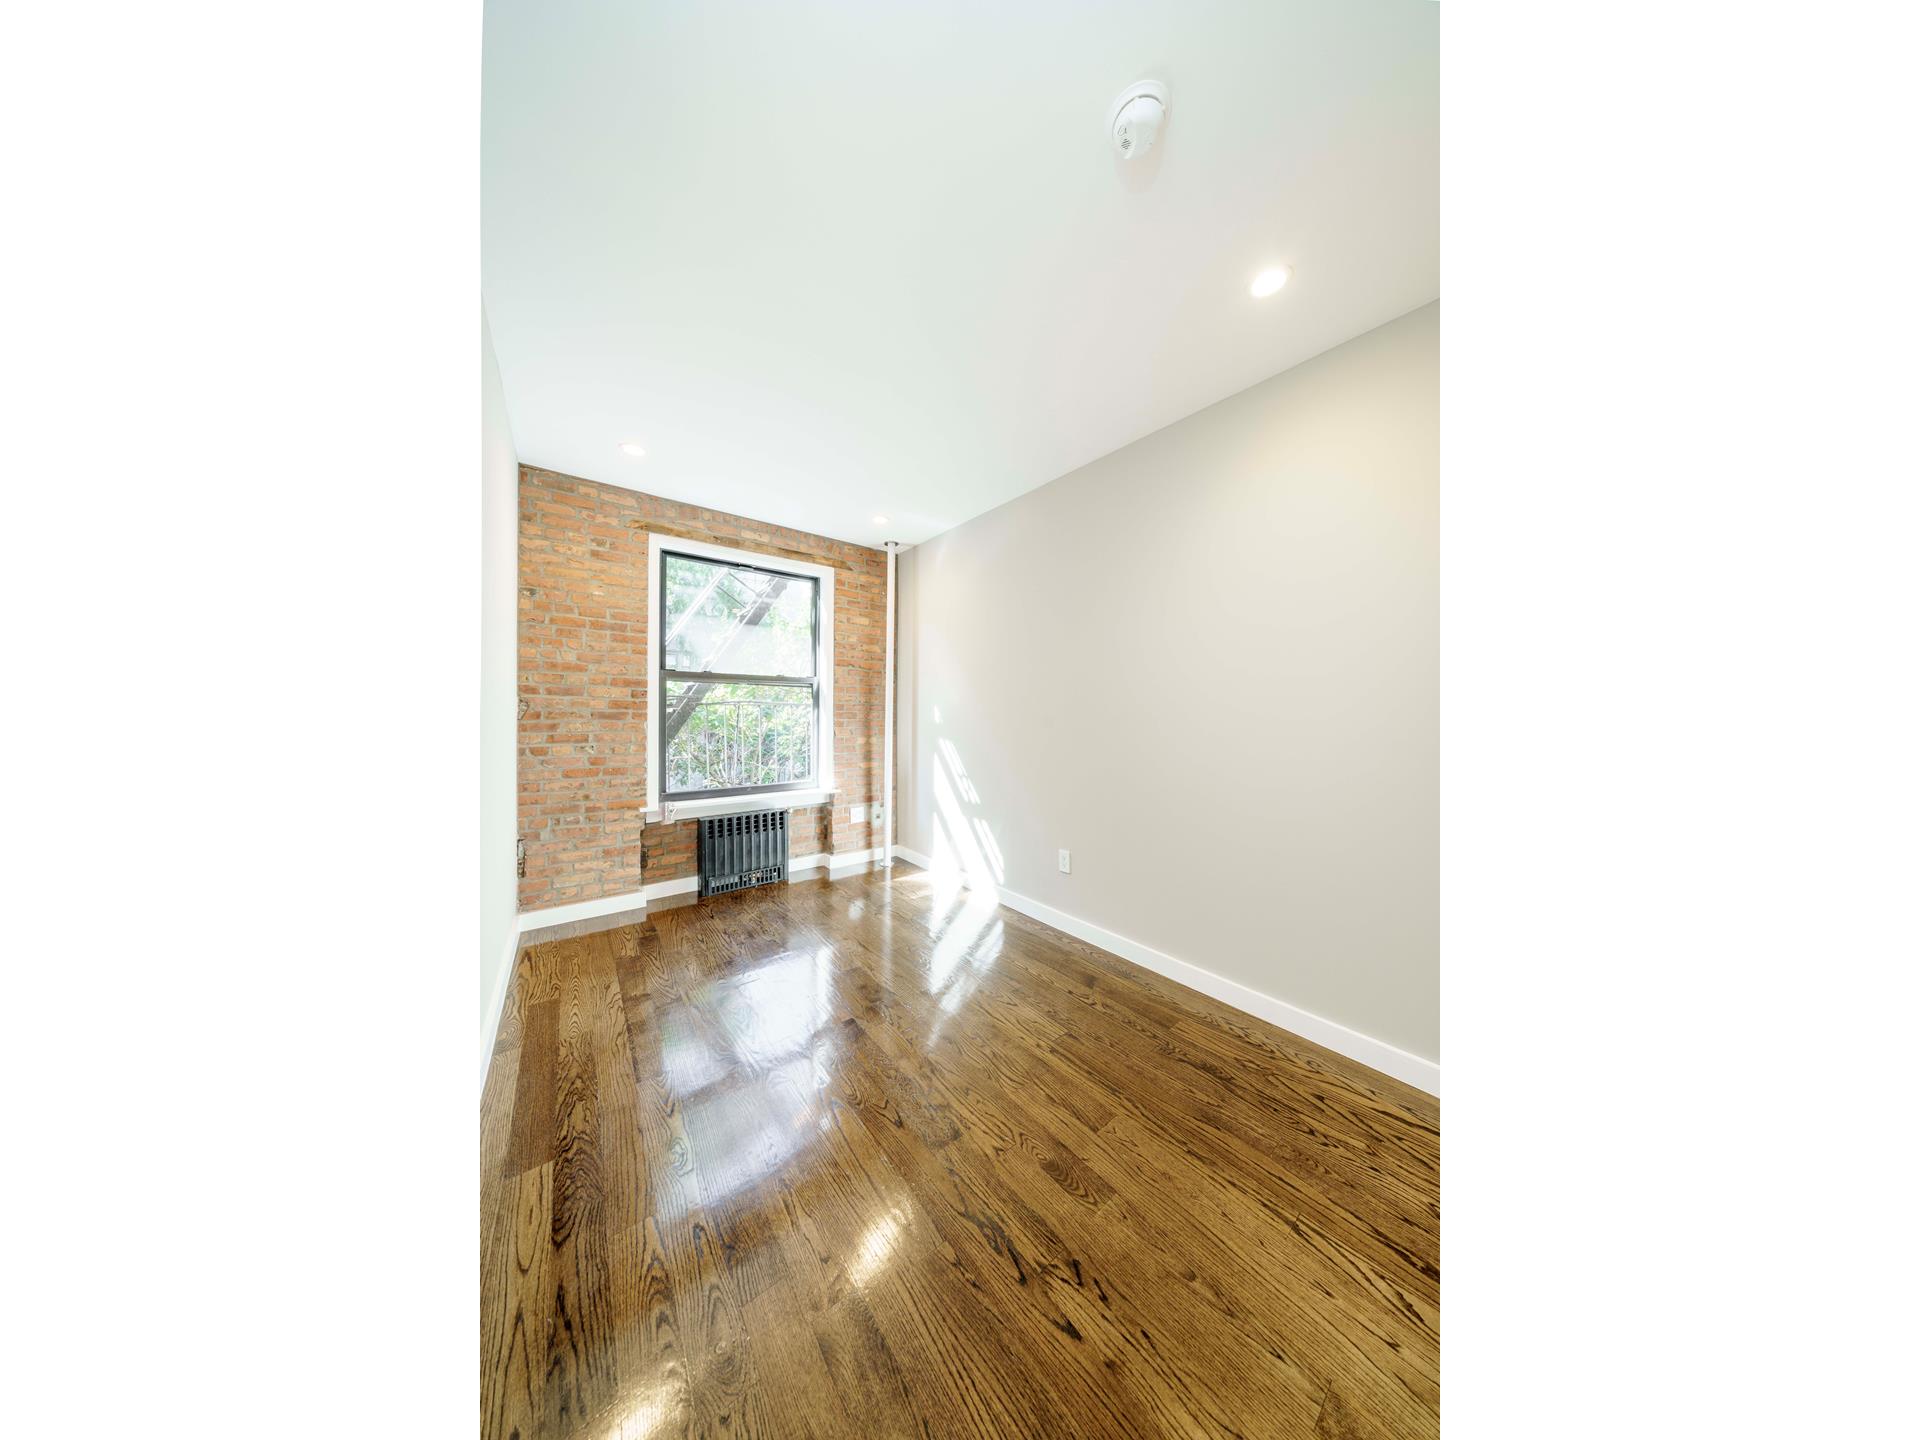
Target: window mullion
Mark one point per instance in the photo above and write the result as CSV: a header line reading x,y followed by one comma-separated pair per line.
x,y
728,677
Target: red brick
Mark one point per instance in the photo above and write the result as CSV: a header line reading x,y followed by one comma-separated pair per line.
x,y
583,672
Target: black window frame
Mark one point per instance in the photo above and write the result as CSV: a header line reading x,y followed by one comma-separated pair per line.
x,y
715,677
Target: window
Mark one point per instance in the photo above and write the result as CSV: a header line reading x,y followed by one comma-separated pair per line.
x,y
740,676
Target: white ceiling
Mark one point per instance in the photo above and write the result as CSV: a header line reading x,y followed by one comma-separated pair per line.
x,y
832,260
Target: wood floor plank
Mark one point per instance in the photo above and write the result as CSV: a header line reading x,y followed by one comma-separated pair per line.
x,y
581,1380
695,1337
496,1127
879,1157
530,1141
513,1309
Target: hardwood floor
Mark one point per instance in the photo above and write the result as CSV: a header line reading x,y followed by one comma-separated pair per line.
x,y
881,1158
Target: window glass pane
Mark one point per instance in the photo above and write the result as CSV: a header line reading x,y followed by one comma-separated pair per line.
x,y
735,620
723,737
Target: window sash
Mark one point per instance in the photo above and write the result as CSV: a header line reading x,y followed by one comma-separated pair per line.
x,y
812,583
810,683
804,782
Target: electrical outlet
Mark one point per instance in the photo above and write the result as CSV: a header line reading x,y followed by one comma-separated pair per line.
x,y
1066,862
859,814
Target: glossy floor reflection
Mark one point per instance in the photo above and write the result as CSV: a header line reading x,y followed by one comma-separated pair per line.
x,y
882,1158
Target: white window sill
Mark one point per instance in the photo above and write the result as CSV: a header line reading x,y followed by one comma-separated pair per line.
x,y
676,810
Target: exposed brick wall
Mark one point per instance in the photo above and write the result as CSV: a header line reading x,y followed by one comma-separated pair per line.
x,y
583,684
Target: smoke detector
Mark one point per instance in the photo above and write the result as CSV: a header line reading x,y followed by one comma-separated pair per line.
x,y
1136,117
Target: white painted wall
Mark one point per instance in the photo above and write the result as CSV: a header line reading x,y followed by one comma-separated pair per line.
x,y
499,608
1207,664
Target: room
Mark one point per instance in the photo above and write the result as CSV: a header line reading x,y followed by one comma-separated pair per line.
x,y
917,440
912,609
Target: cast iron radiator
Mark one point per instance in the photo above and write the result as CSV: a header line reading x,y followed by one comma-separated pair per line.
x,y
741,850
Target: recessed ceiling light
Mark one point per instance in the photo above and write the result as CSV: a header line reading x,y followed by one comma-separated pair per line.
x,y
880,520
1268,281
635,449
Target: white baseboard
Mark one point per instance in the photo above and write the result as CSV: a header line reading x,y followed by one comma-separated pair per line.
x,y
661,889
847,862
584,909
496,1007
1402,1065
850,862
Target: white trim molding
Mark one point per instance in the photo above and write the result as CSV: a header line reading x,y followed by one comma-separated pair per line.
x,y
852,862
664,889
1414,1070
582,910
675,811
657,546
848,862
